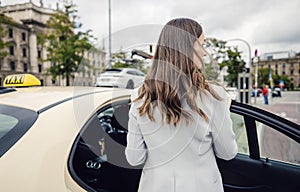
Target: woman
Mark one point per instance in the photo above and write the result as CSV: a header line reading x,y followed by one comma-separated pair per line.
x,y
178,122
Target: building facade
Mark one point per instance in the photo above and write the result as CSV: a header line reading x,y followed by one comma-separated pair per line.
x,y
283,63
24,53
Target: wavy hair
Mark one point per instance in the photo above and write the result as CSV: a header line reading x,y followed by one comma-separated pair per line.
x,y
173,76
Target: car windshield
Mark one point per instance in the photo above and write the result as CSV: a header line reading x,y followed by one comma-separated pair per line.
x,y
110,71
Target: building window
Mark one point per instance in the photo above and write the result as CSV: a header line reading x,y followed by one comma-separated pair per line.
x,y
12,66
292,72
269,58
292,64
283,65
40,68
24,51
11,50
39,54
269,66
283,72
276,66
10,33
23,36
25,66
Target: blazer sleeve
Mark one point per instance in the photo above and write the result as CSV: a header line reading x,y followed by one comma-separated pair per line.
x,y
224,142
136,150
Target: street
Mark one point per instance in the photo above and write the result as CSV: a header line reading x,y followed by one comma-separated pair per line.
x,y
274,145
287,106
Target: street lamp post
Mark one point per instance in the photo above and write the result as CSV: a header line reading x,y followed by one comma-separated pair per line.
x,y
256,75
250,67
109,35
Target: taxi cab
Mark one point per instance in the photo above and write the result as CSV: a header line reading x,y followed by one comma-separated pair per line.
x,y
73,139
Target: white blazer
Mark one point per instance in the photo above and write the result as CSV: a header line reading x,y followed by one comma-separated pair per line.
x,y
181,158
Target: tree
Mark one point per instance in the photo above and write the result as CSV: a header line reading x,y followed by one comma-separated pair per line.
x,y
64,45
235,65
3,33
264,78
227,56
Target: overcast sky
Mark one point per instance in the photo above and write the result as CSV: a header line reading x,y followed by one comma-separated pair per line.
x,y
268,25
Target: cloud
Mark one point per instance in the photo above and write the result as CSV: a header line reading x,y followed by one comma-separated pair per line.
x,y
268,24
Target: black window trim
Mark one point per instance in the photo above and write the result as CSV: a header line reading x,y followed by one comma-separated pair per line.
x,y
26,119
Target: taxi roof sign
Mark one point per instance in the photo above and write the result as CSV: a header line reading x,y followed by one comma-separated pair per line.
x,y
21,80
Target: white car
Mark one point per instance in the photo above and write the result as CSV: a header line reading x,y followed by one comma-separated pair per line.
x,y
121,77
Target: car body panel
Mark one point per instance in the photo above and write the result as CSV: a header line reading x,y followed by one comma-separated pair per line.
x,y
120,78
42,152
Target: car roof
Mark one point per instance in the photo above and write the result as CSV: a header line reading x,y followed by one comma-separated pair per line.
x,y
37,98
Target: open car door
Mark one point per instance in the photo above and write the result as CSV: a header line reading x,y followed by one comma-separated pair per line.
x,y
268,159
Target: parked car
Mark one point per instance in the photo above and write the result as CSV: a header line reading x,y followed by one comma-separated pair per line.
x,y
121,78
257,92
73,139
276,92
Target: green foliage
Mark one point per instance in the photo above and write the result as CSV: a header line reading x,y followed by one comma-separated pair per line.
x,y
263,78
225,56
3,33
64,45
216,48
235,65
123,62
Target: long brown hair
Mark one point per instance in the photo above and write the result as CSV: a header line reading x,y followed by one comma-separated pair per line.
x,y
173,75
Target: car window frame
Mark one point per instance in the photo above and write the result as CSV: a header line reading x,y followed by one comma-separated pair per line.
x,y
26,119
252,114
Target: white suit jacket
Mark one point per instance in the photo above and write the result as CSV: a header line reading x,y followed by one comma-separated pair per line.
x,y
181,158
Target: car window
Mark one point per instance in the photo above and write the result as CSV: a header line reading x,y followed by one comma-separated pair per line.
x,y
97,159
277,146
14,123
112,71
240,133
7,123
139,73
131,72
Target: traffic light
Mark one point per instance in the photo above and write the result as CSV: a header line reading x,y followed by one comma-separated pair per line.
x,y
150,48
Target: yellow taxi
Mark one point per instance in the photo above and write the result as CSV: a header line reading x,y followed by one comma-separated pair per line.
x,y
57,139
